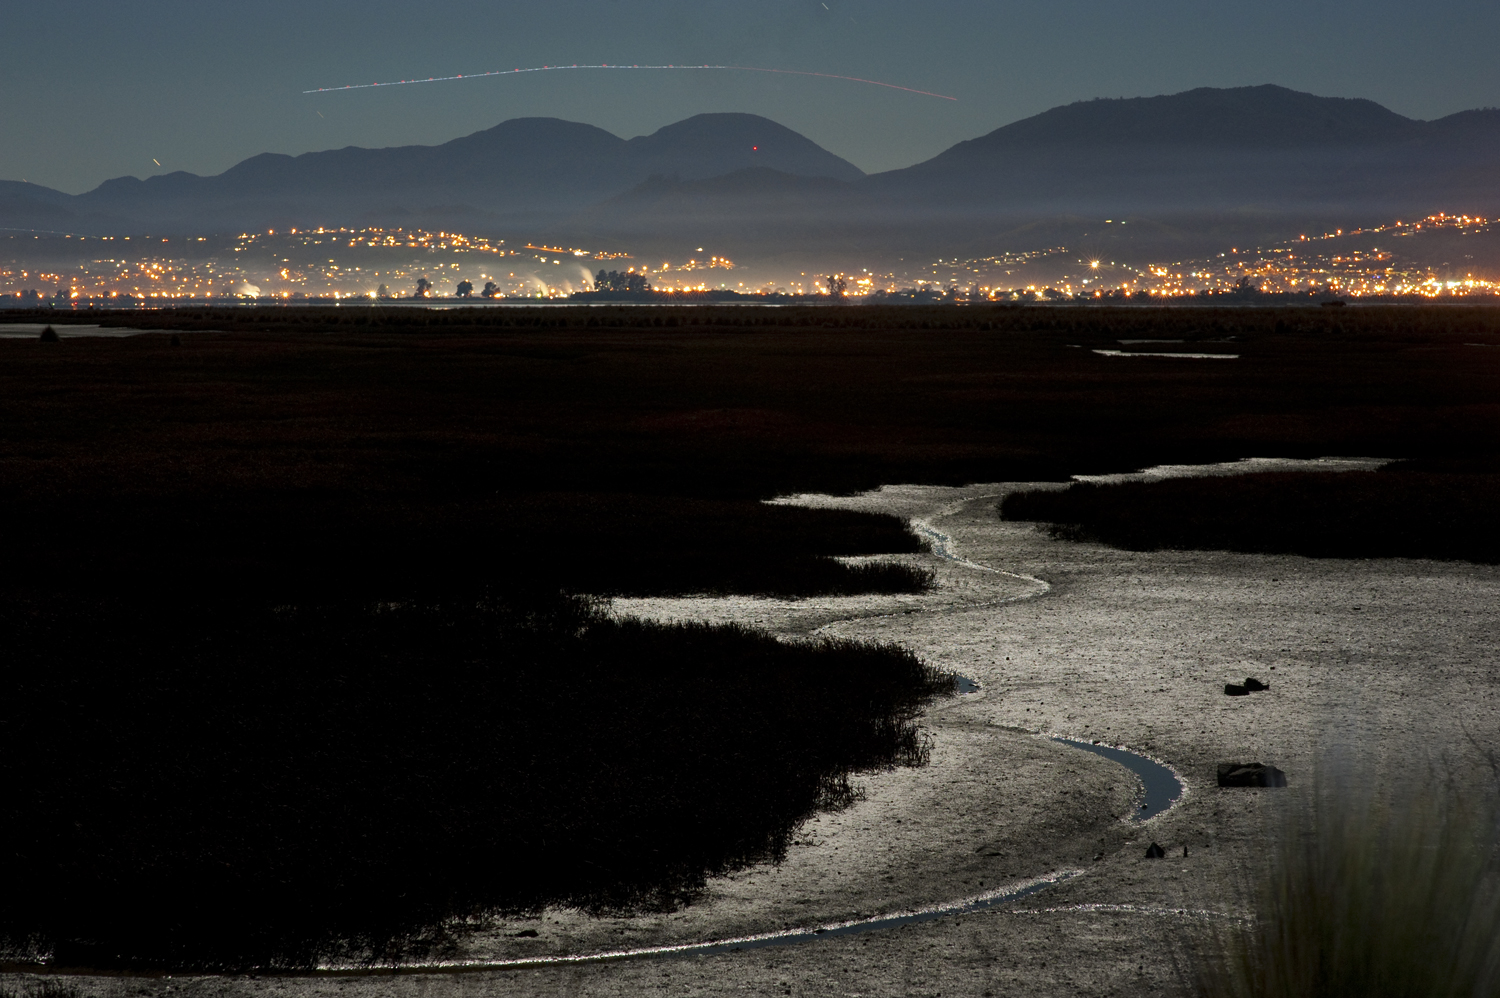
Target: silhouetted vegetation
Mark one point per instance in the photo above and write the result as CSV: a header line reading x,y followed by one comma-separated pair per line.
x,y
1366,895
220,786
295,545
1385,514
415,460
800,397
614,280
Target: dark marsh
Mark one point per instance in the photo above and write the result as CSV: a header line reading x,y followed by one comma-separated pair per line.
x,y
1397,512
224,787
292,590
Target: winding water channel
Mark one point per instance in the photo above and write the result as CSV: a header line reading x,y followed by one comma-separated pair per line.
x,y
1160,789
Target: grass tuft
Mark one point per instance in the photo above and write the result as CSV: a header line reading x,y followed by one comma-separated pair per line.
x,y
1368,898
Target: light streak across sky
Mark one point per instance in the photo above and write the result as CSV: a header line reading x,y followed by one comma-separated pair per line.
x,y
548,69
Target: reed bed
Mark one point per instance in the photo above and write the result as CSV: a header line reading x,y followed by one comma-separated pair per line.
x,y
215,786
1395,513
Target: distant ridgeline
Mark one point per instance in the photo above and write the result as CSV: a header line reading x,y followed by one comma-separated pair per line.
x,y
1250,164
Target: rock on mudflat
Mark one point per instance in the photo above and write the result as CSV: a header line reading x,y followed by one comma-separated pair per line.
x,y
1250,774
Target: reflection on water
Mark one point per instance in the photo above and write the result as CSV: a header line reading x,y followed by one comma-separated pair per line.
x,y
1162,787
1187,356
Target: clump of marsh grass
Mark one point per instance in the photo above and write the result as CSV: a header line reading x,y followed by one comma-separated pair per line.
x,y
1371,896
246,787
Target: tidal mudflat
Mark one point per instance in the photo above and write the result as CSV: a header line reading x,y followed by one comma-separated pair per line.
x,y
1383,658
1368,662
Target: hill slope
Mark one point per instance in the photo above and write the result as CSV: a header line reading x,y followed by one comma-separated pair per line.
x,y
521,170
1260,148
1208,168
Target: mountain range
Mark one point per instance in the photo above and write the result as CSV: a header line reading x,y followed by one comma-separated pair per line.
x,y
1207,164
534,169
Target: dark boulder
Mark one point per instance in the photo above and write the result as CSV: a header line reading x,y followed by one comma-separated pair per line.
x,y
1231,690
1250,774
1155,852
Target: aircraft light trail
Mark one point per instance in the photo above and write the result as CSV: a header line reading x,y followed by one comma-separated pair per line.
x,y
548,69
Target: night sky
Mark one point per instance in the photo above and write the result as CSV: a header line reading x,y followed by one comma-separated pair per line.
x,y
94,90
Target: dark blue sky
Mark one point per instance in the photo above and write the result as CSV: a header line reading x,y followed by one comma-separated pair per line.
x,y
93,90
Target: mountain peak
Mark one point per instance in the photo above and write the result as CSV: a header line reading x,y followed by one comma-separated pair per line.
x,y
712,145
523,168
1262,117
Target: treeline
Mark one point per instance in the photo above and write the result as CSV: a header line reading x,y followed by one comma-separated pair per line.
x,y
629,281
224,786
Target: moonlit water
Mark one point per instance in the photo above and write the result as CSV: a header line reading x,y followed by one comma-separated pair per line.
x,y
1244,466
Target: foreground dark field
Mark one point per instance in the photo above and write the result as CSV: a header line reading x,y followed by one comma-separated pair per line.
x,y
599,450
332,450
266,489
217,786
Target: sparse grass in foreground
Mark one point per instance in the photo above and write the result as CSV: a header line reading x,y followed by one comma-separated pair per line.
x,y
1395,898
